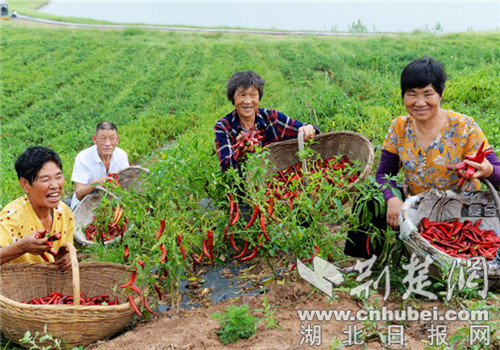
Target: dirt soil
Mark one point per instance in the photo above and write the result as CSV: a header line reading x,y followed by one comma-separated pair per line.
x,y
195,329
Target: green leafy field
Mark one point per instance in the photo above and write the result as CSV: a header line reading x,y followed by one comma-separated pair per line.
x,y
159,86
165,90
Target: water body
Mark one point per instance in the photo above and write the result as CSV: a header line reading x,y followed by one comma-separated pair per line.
x,y
372,16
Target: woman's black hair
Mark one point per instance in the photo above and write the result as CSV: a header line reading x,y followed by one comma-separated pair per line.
x,y
422,72
244,79
32,160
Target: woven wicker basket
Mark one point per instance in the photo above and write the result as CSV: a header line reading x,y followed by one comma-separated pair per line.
x,y
335,143
130,178
75,324
443,205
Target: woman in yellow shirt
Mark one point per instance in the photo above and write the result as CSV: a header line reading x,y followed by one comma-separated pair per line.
x,y
24,220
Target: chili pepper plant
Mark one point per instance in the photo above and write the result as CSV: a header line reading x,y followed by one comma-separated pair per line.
x,y
212,217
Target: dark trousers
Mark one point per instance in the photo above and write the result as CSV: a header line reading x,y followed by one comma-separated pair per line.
x,y
356,243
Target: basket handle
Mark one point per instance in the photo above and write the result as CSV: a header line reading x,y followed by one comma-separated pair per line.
x,y
75,271
494,194
497,204
300,141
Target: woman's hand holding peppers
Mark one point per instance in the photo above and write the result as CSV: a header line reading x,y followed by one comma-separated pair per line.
x,y
484,169
243,150
474,167
35,243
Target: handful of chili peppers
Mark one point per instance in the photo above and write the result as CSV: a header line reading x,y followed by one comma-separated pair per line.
x,y
113,181
469,171
102,230
55,298
461,239
54,237
249,140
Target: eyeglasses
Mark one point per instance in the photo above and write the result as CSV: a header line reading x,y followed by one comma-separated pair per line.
x,y
111,139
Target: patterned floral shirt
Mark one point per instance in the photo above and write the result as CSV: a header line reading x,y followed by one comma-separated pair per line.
x,y
424,169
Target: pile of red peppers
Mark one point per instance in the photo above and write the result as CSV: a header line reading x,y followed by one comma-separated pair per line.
x,y
287,179
55,298
107,231
461,239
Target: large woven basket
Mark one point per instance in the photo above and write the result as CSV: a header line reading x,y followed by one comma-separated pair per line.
x,y
441,206
76,325
335,143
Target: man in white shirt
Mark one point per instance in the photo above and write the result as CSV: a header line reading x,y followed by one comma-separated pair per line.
x,y
94,164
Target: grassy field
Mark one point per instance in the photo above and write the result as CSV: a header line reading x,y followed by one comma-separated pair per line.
x,y
165,90
159,86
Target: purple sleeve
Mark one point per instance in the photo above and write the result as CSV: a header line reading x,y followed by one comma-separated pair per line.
x,y
495,177
389,165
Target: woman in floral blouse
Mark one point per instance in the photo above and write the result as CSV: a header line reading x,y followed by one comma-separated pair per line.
x,y
423,143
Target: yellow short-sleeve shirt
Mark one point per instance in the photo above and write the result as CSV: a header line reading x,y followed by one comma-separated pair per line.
x,y
426,169
18,219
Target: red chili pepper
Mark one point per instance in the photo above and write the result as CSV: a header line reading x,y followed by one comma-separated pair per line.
x,y
195,258
132,302
141,264
117,217
252,255
263,226
205,249
162,228
132,279
233,243
231,206
236,214
179,242
461,182
256,212
316,249
243,252
52,252
45,257
270,209
158,291
146,305
210,235
126,253
137,290
163,253
368,245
